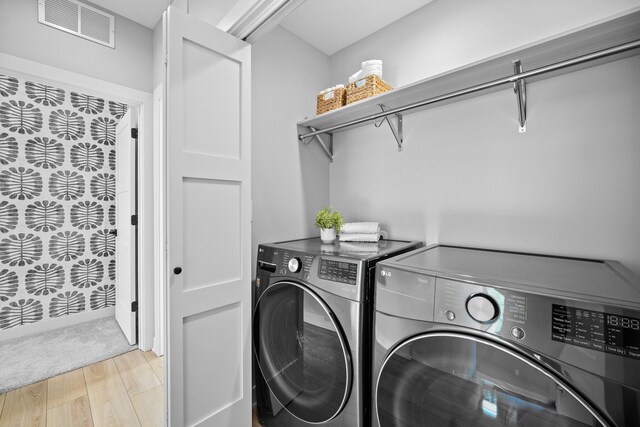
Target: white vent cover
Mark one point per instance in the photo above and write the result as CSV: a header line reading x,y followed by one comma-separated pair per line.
x,y
78,19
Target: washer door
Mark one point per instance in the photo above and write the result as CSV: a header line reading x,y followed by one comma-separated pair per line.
x,y
301,352
453,379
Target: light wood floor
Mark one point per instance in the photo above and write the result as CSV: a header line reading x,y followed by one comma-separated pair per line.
x,y
126,390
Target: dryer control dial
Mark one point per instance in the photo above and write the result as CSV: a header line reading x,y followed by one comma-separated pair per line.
x,y
482,308
295,265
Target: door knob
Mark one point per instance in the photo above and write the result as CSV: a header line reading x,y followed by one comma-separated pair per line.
x,y
177,270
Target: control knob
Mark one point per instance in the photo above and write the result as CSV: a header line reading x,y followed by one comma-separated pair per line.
x,y
482,308
295,265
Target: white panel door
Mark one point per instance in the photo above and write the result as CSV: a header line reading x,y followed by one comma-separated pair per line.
x,y
126,237
209,224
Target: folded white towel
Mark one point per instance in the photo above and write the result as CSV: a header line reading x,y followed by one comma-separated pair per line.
x,y
361,227
356,76
359,237
359,247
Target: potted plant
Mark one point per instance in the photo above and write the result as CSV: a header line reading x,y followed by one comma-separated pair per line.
x,y
329,222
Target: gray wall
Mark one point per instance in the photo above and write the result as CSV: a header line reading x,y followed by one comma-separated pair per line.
x,y
129,64
447,34
570,185
290,181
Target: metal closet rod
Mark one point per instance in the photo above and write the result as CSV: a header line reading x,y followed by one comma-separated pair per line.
x,y
477,88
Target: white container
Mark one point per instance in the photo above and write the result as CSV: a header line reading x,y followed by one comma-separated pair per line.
x,y
327,235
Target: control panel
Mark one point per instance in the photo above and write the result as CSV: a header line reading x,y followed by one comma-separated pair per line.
x,y
301,266
297,264
596,330
333,274
338,271
497,311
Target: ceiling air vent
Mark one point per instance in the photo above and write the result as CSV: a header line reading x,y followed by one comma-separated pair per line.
x,y
78,19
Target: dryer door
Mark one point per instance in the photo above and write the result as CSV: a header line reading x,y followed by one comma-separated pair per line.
x,y
453,379
301,352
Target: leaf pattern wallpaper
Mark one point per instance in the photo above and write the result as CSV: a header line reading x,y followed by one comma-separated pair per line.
x,y
8,284
103,296
44,94
44,216
20,249
20,312
20,183
87,103
57,201
87,215
87,157
44,153
8,85
87,273
9,149
20,117
67,303
103,130
66,124
45,279
9,217
66,185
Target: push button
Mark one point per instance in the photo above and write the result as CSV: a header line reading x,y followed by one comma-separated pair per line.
x,y
450,315
517,333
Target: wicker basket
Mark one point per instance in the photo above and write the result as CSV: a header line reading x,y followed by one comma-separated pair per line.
x,y
331,100
364,88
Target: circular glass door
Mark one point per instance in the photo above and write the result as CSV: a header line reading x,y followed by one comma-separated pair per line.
x,y
451,379
301,352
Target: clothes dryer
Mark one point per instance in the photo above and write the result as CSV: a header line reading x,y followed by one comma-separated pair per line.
x,y
475,337
312,330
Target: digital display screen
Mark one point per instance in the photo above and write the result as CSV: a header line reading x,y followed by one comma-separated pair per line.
x,y
600,331
338,271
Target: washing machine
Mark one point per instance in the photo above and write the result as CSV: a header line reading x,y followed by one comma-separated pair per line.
x,y
312,330
477,337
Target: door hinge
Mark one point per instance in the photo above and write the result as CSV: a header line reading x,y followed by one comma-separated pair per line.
x,y
134,306
134,219
134,133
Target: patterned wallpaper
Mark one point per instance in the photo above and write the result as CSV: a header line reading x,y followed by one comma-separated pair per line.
x,y
57,201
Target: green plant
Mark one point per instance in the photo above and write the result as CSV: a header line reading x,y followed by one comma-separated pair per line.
x,y
328,218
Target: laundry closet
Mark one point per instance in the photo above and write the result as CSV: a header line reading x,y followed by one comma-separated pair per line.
x,y
226,98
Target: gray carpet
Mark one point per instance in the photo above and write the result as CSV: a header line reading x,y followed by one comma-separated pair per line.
x,y
33,358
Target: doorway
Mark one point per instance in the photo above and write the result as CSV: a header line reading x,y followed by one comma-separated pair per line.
x,y
63,148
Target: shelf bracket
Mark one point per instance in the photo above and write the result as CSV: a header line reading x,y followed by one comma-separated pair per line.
x,y
397,131
328,147
520,89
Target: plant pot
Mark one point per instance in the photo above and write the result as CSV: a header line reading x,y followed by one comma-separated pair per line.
x,y
327,235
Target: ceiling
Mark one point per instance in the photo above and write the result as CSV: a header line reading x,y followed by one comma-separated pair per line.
x,y
329,25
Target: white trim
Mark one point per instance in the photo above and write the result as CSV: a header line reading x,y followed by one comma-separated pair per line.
x,y
56,323
94,86
239,11
159,218
146,259
263,16
144,101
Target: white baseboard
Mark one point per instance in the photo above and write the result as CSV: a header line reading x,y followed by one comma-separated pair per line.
x,y
59,322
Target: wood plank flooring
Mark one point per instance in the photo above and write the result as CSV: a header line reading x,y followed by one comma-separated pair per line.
x,y
126,390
